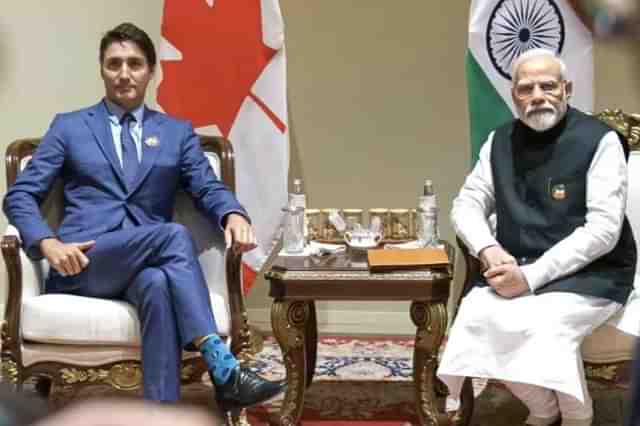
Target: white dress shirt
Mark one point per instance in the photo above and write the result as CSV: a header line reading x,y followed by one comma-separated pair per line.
x,y
606,204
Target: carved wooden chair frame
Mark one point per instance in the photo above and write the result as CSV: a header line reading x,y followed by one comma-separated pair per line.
x,y
628,125
61,381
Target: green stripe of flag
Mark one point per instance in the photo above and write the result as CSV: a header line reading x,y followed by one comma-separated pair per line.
x,y
487,109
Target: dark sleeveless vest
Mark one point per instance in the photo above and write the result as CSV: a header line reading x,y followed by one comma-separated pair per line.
x,y
540,181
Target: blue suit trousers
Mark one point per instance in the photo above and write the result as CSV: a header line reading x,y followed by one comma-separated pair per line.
x,y
155,268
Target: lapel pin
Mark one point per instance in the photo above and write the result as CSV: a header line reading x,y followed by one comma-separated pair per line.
x,y
152,141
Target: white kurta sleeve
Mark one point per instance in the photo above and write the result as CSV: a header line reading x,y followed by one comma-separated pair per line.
x,y
606,203
475,203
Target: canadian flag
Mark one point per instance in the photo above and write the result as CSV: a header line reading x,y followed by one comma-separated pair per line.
x,y
223,68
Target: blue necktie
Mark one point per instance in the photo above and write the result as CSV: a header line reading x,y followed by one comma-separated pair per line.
x,y
129,152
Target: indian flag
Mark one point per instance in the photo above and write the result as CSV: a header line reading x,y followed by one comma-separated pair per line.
x,y
499,31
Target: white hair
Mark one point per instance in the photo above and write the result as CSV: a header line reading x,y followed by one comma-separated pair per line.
x,y
538,53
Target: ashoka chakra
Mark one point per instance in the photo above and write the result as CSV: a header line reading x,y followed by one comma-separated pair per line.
x,y
516,26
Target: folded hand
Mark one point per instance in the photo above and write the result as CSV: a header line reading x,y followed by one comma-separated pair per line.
x,y
66,258
507,280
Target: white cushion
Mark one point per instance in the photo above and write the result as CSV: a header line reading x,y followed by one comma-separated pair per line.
x,y
82,354
61,318
77,320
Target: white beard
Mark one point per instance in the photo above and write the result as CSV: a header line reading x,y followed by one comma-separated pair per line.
x,y
544,117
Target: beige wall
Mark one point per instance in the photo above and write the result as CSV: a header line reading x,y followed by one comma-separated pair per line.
x,y
378,105
377,92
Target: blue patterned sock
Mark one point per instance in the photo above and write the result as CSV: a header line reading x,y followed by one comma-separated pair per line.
x,y
219,359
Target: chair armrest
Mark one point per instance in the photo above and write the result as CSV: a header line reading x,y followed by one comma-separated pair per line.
x,y
240,332
11,337
472,272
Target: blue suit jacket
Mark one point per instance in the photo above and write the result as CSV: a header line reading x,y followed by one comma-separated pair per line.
x,y
78,147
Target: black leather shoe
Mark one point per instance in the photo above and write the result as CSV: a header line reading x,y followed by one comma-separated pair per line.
x,y
245,388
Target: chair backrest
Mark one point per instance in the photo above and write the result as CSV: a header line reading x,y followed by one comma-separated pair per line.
x,y
628,125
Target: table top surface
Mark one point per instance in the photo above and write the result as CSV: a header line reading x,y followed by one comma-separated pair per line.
x,y
338,277
343,265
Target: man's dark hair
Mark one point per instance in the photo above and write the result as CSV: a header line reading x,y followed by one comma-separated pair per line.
x,y
129,32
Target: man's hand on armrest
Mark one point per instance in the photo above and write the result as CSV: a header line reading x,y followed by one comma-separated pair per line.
x,y
66,258
239,233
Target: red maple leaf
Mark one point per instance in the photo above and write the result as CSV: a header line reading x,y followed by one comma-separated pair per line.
x,y
222,56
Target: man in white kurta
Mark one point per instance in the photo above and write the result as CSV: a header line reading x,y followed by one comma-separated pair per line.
x,y
523,325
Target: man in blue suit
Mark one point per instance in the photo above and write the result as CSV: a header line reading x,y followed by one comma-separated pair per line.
x,y
121,165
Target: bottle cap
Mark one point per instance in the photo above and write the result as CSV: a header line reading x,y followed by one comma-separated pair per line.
x,y
297,185
428,187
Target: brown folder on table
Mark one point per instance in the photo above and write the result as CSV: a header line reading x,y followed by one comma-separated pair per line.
x,y
407,259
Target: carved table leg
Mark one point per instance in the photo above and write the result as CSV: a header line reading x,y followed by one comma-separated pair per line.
x,y
431,321
291,321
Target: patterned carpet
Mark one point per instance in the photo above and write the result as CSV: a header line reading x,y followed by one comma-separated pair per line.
x,y
368,381
355,379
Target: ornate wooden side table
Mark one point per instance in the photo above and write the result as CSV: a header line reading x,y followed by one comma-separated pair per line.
x,y
297,282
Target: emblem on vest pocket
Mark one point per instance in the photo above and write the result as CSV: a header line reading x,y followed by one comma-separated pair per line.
x,y
559,191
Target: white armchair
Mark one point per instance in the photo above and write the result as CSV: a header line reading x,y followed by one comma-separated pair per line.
x,y
68,342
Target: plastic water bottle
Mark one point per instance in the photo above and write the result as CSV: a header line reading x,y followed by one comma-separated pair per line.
x,y
296,197
294,228
427,212
298,200
293,240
